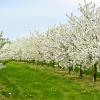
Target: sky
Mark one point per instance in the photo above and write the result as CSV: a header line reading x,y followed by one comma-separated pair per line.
x,y
20,17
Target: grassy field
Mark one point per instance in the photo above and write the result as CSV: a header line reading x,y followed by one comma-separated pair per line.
x,y
21,81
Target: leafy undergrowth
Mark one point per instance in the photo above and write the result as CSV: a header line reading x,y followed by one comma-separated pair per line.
x,y
22,81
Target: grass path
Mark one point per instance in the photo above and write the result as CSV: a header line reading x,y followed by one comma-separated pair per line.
x,y
21,81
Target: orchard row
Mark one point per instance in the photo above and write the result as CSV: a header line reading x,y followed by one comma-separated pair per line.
x,y
70,45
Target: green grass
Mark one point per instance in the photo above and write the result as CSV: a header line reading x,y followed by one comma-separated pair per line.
x,y
32,82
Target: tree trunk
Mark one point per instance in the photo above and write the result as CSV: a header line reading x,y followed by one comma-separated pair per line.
x,y
48,64
81,71
53,64
73,68
69,70
59,66
42,63
94,72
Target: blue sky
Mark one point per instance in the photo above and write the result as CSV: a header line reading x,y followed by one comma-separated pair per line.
x,y
19,17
